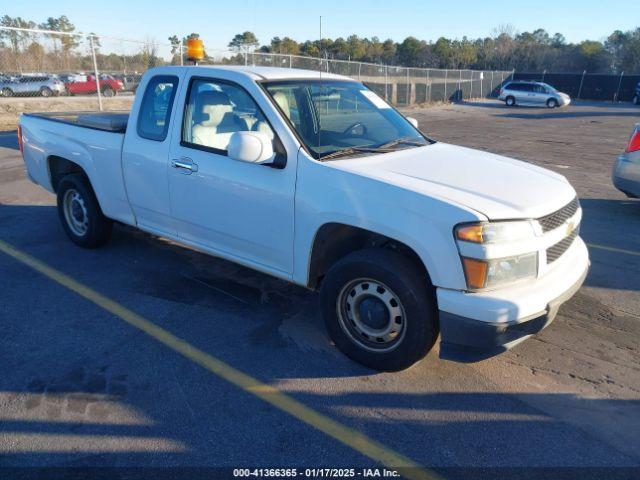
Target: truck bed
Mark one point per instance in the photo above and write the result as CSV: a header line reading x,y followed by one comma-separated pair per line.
x,y
115,121
92,140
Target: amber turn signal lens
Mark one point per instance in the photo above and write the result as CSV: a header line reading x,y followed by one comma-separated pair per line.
x,y
475,271
470,233
195,49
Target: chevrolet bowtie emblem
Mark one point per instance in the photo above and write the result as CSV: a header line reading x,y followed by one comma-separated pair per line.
x,y
570,227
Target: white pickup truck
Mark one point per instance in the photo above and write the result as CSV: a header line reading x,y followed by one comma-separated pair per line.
x,y
317,180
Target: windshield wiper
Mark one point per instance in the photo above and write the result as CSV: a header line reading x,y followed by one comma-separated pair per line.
x,y
384,148
403,140
349,151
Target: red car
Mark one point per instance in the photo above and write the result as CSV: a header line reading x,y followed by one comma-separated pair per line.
x,y
109,86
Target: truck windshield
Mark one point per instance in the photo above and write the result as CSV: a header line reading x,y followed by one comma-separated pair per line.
x,y
336,118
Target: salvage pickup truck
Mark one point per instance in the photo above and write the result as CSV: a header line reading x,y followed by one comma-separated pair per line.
x,y
315,179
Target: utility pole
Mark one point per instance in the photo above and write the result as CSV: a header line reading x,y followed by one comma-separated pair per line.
x,y
95,71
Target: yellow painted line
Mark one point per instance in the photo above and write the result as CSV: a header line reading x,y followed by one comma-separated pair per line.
x,y
613,249
349,437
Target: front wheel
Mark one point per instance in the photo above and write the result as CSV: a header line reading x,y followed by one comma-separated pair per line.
x,y
510,101
552,103
379,309
636,100
80,213
46,92
7,92
108,92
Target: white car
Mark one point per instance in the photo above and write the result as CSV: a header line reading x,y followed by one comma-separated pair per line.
x,y
532,94
318,181
31,85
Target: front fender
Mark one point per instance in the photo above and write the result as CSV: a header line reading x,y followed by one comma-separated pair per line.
x,y
330,195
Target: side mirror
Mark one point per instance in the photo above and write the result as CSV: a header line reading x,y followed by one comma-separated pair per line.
x,y
412,121
252,147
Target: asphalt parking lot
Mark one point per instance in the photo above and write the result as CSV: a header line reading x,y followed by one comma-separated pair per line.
x,y
82,387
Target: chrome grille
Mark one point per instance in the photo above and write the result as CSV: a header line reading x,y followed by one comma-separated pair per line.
x,y
557,218
555,251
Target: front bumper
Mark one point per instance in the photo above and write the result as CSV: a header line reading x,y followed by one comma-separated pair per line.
x,y
564,101
476,326
624,176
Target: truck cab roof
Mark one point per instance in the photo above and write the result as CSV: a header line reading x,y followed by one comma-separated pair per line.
x,y
268,73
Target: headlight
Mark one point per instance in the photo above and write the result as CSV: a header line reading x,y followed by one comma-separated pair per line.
x,y
496,232
495,272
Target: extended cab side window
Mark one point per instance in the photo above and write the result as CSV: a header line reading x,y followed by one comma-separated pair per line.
x,y
215,110
155,110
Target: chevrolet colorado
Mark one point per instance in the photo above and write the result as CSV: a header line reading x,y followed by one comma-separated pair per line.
x,y
315,179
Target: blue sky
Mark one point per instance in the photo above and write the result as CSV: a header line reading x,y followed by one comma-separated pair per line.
x,y
218,21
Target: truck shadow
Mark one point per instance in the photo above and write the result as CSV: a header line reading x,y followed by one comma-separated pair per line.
x,y
80,388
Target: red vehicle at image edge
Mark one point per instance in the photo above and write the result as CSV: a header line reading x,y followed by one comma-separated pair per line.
x,y
109,86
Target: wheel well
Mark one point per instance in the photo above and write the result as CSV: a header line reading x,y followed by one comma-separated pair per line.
x,y
59,167
336,240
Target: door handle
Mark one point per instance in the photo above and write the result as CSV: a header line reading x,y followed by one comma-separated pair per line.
x,y
185,164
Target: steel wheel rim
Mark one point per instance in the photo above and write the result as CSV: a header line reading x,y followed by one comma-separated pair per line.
x,y
376,339
75,212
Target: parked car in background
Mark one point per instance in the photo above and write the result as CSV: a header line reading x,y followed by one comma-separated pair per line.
x,y
636,96
42,85
535,94
109,86
130,82
320,182
626,171
69,77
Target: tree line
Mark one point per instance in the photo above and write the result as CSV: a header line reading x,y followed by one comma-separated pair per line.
x,y
506,49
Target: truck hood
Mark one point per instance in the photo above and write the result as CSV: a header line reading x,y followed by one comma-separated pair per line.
x,y
497,187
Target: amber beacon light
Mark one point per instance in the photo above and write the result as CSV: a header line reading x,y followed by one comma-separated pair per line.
x,y
195,49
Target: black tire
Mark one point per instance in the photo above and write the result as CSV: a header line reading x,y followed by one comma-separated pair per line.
x,y
46,92
404,281
636,100
552,103
108,92
7,92
510,101
98,227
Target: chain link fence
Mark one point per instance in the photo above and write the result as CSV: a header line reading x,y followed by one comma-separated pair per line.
x,y
44,70
401,86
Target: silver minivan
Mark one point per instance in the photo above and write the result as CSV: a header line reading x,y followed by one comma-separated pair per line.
x,y
536,94
31,85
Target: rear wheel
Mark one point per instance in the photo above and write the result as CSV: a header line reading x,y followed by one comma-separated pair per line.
x,y
7,92
46,92
379,310
636,100
552,103
80,213
510,101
